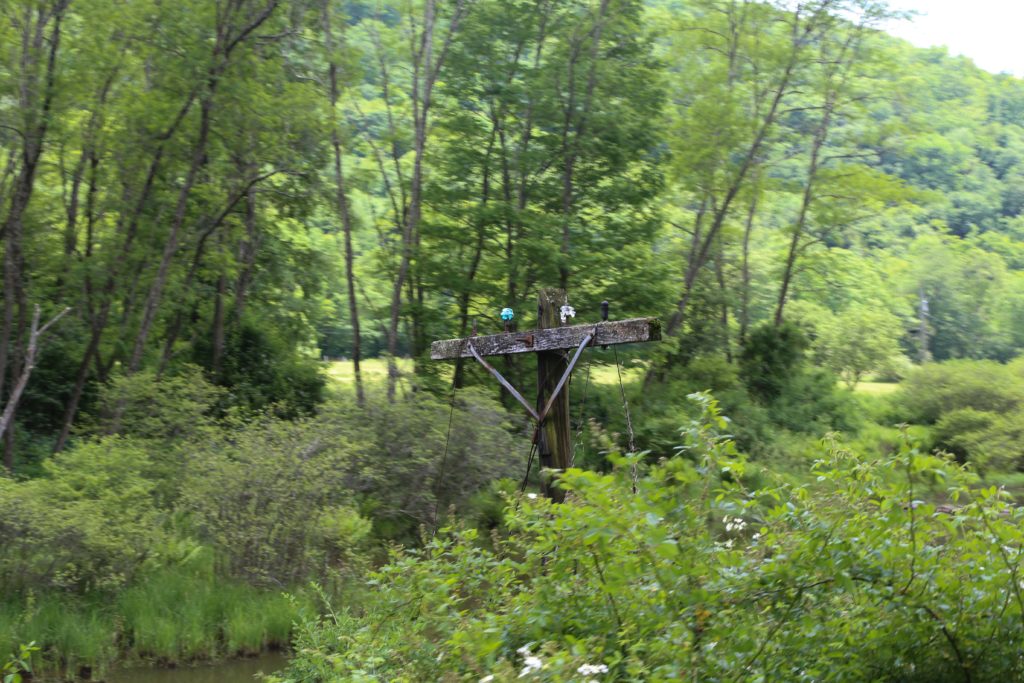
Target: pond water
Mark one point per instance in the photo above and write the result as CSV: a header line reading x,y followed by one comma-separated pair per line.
x,y
232,671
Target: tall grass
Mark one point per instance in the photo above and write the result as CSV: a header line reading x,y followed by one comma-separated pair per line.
x,y
170,616
74,635
178,616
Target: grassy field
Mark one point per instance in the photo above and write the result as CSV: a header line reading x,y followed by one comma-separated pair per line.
x,y
375,370
877,388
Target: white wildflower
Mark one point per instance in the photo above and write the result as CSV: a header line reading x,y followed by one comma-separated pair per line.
x,y
756,536
524,651
734,523
728,544
531,496
591,669
530,664
486,679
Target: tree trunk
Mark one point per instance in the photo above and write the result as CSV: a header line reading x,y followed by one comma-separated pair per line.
x,y
421,87
156,290
805,207
226,42
924,349
10,407
425,70
723,293
247,256
36,108
218,328
765,124
128,224
745,291
837,70
571,149
342,206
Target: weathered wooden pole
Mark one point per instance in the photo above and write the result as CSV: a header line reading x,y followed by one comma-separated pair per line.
x,y
555,439
553,342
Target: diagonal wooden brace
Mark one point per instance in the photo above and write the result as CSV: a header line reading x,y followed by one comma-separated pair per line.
x,y
505,383
519,397
565,377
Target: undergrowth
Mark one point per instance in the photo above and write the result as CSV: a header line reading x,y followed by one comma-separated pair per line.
x,y
852,576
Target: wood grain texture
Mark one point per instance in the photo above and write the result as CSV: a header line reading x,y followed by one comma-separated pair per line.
x,y
553,339
554,445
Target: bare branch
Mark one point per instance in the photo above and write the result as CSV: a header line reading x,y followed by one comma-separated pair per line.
x,y
35,334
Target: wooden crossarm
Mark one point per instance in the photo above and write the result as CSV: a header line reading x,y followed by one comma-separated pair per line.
x,y
552,339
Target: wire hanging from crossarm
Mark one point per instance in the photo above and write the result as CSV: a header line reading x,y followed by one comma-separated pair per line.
x,y
633,471
444,456
579,420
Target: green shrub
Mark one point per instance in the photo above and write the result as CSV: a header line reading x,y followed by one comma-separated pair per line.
x,y
272,500
811,403
19,663
261,369
86,525
958,431
933,389
976,407
770,357
399,471
172,406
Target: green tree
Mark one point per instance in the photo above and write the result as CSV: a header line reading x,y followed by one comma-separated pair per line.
x,y
860,340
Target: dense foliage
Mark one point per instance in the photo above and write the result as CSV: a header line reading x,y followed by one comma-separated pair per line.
x,y
212,210
697,576
250,186
175,540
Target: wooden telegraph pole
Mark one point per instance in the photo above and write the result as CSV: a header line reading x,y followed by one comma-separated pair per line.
x,y
558,347
554,445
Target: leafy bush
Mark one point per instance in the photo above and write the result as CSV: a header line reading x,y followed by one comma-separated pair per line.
x,y
772,390
976,407
172,406
272,500
797,395
931,390
18,664
260,369
399,472
861,339
851,578
86,525
769,359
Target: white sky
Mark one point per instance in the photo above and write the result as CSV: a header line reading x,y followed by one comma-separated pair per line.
x,y
991,32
